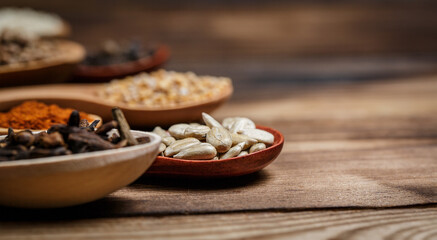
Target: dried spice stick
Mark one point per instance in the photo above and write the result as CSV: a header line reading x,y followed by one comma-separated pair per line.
x,y
123,127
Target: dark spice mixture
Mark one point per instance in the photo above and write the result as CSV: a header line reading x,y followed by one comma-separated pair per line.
x,y
78,136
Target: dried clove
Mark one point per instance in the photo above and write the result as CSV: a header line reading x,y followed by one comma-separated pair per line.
x,y
44,152
105,128
25,138
74,119
61,139
50,140
91,140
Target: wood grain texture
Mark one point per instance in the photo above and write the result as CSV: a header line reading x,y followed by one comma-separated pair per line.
x,y
387,224
360,145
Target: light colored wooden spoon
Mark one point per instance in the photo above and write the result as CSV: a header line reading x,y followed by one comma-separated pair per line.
x,y
54,69
74,179
83,97
4,131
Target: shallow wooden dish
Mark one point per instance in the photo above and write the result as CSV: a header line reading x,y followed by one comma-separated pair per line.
x,y
50,70
83,97
86,73
237,166
74,179
4,131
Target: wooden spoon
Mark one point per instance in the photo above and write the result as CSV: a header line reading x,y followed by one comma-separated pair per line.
x,y
84,97
49,70
74,179
4,131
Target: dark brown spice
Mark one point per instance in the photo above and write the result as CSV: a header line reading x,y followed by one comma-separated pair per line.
x,y
61,139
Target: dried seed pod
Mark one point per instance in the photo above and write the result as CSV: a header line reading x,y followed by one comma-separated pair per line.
x,y
238,138
236,124
233,152
43,152
162,147
228,122
168,140
197,152
220,138
242,123
8,153
90,140
161,132
198,132
105,128
257,147
242,153
179,145
178,130
51,140
259,135
210,121
24,138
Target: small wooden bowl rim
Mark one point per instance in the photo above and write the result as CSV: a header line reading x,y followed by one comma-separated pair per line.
x,y
70,53
160,56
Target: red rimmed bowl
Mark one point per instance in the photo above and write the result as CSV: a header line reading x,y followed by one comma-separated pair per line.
x,y
237,166
85,73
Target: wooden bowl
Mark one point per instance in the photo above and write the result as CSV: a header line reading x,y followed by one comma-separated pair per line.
x,y
74,179
50,70
236,166
84,98
86,73
4,131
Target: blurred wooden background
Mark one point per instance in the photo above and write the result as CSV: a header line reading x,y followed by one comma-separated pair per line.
x,y
287,42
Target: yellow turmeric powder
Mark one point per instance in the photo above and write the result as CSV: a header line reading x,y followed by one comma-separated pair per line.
x,y
37,115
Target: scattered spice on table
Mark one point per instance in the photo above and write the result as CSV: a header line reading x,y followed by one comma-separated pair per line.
x,y
78,136
37,115
164,89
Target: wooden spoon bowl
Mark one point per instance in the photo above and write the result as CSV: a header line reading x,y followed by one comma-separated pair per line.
x,y
50,70
84,97
74,179
230,167
4,131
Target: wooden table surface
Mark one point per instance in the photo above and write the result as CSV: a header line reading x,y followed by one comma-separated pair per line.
x,y
359,120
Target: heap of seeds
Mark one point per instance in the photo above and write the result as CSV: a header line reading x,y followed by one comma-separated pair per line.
x,y
164,89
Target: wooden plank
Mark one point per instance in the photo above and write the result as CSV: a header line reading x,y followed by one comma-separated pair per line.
x,y
407,223
363,145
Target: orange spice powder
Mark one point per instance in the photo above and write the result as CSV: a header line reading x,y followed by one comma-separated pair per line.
x,y
37,115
